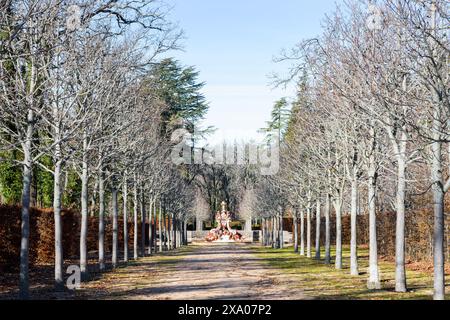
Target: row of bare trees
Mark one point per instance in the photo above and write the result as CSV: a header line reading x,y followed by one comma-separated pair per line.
x,y
78,85
369,129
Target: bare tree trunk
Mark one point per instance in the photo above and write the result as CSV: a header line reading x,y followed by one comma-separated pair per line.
x,y
374,274
101,220
174,233
277,232
84,208
327,230
160,227
59,262
263,232
169,231
354,241
438,183
266,231
185,232
166,238
400,272
439,217
125,218
155,227
308,232
338,209
318,223
135,220
25,226
150,225
59,257
439,255
272,233
115,228
93,198
179,236
143,222
34,189
295,233
281,232
302,233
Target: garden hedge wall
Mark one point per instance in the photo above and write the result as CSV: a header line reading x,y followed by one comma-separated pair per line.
x,y
42,232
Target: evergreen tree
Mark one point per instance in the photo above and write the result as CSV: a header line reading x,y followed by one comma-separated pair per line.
x,y
178,87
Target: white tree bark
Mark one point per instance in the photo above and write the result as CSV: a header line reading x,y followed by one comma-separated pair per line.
x,y
25,226
438,197
169,231
150,224
308,232
155,240
143,222
302,233
263,232
101,220
125,218
318,224
59,260
165,222
273,230
400,271
185,230
135,221
84,208
327,230
115,228
174,232
295,233
281,230
160,227
338,209
374,274
59,280
354,240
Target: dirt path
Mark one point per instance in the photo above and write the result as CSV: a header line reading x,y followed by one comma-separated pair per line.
x,y
223,272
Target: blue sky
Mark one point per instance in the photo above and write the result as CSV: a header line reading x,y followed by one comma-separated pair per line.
x,y
232,43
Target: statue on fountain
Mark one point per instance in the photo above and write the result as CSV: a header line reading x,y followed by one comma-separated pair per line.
x,y
223,232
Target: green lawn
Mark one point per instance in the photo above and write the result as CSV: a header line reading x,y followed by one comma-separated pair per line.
x,y
321,281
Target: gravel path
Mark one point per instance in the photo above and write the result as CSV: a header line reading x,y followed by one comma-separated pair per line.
x,y
202,272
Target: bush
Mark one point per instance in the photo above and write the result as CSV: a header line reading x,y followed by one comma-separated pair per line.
x,y
42,234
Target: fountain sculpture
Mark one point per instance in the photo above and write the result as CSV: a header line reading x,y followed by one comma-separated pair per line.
x,y
223,232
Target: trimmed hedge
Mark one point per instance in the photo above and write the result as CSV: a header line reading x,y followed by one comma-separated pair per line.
x,y
419,233
42,233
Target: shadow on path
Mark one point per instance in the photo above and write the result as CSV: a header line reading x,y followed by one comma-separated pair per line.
x,y
227,272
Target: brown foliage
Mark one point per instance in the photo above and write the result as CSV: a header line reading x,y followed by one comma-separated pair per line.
x,y
42,233
419,233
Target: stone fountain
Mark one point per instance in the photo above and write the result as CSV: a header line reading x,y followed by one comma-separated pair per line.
x,y
223,233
